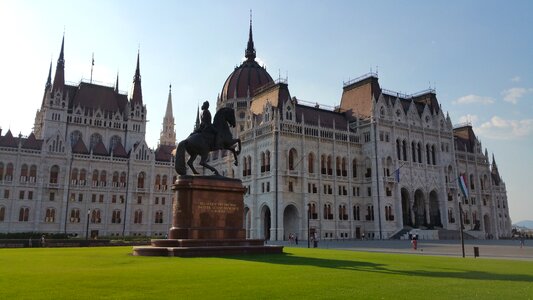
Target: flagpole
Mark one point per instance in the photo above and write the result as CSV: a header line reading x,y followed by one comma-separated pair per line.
x,y
92,65
461,229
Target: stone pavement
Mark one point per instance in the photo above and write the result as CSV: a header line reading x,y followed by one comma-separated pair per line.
x,y
501,249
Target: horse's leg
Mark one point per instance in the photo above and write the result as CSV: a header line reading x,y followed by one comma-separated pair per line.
x,y
203,163
238,141
190,163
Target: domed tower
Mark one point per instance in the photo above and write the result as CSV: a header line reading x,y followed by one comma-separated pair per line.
x,y
241,84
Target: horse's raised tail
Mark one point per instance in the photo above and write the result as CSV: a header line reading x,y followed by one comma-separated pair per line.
x,y
179,163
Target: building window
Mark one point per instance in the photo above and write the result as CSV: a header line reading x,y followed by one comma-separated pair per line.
x,y
311,163
30,195
138,217
291,188
115,217
356,213
159,217
50,215
139,199
24,214
21,195
388,213
101,198
369,213
96,217
54,174
74,215
2,213
52,196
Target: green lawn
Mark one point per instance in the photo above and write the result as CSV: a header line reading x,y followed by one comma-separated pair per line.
x,y
111,272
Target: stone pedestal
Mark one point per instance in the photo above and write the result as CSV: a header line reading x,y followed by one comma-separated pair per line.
x,y
208,218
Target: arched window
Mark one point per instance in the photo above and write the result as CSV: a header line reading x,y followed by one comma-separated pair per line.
x,y
428,154
159,217
2,213
54,174
95,178
164,183
419,152
451,219
343,167
369,213
138,217
292,158
311,163
24,214
267,157
9,172
115,140
433,155
354,168
74,176
338,168
140,180
330,165
74,215
115,179
24,173
115,217
356,213
83,177
157,182
413,151
343,215
96,138
103,178
398,149
96,217
75,136
50,215
123,179
313,212
263,163
472,183
1,171
323,164
404,150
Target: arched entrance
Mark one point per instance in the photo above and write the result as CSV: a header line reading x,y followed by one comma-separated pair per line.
x,y
419,209
486,225
290,221
265,220
434,211
406,208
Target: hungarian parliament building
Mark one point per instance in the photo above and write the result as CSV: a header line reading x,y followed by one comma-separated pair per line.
x,y
378,165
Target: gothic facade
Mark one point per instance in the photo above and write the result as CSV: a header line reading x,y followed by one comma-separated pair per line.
x,y
87,162
377,165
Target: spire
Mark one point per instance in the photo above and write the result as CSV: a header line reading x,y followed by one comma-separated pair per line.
x,y
137,95
49,80
197,123
168,113
59,78
250,50
48,83
168,134
116,85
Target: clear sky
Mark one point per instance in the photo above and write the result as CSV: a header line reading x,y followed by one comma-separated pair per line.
x,y
478,55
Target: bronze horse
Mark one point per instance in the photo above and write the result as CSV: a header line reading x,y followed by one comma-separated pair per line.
x,y
201,143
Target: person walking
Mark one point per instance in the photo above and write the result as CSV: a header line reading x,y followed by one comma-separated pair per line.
x,y
522,241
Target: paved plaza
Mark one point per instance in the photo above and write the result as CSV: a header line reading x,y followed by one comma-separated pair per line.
x,y
503,249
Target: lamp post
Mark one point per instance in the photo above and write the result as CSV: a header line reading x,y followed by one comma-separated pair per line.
x,y
87,228
308,217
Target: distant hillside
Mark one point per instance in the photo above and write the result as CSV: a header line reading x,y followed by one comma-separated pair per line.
x,y
525,223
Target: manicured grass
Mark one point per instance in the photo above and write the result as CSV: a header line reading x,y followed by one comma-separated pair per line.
x,y
111,272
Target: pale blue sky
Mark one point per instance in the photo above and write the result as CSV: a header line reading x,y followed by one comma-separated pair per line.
x,y
478,55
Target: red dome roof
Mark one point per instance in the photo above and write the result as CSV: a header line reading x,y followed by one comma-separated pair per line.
x,y
247,77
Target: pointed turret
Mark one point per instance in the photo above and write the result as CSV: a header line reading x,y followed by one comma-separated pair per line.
x,y
168,112
494,172
250,50
59,78
197,123
116,85
136,95
48,84
168,134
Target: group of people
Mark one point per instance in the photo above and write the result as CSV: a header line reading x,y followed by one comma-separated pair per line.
x,y
293,239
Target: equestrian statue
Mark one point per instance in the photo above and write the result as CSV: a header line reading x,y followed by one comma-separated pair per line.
x,y
208,137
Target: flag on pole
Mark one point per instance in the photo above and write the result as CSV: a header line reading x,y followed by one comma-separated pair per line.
x,y
397,175
462,185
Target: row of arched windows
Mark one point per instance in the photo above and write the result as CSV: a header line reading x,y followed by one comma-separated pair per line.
x,y
343,212
416,152
327,164
27,173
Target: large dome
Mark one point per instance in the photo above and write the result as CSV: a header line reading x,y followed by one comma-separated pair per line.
x,y
247,77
